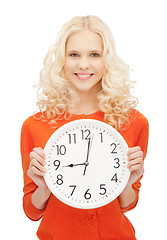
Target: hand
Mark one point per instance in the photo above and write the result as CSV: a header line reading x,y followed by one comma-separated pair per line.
x,y
88,151
136,164
36,169
72,165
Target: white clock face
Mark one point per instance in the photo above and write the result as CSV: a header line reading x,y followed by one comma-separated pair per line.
x,y
86,163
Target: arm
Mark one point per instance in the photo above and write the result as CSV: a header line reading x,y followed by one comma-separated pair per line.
x,y
136,155
36,172
31,192
40,198
135,165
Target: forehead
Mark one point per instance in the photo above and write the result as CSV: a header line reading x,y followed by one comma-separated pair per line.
x,y
84,40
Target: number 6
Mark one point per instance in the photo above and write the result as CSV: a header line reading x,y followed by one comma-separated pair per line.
x,y
87,195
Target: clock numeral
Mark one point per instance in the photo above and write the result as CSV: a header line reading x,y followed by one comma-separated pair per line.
x,y
101,134
86,134
56,163
61,150
114,178
117,163
74,186
59,179
72,138
87,195
114,145
103,189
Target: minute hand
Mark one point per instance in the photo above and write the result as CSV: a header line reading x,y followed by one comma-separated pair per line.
x,y
88,152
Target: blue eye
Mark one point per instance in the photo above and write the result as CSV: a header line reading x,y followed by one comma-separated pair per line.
x,y
94,54
74,55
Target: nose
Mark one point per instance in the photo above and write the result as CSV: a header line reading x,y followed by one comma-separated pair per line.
x,y
83,63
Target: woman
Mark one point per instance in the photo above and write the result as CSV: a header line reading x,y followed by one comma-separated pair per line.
x,y
82,77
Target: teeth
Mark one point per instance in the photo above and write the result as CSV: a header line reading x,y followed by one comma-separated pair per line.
x,y
84,76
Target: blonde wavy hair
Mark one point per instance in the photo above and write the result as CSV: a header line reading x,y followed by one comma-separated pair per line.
x,y
57,96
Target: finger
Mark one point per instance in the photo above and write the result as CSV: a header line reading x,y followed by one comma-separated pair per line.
x,y
35,163
137,167
33,170
133,150
135,155
41,160
40,152
136,161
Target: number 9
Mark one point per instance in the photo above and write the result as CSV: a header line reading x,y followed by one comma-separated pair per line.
x,y
56,163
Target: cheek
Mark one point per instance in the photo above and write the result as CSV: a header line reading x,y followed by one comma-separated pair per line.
x,y
69,67
100,68
66,68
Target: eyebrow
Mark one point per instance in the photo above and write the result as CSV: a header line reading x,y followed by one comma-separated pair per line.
x,y
70,51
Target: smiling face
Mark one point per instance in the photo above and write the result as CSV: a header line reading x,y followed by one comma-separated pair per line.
x,y
84,64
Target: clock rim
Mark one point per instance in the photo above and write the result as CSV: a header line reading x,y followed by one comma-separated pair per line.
x,y
51,187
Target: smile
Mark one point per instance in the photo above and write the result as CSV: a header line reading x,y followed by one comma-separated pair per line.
x,y
84,76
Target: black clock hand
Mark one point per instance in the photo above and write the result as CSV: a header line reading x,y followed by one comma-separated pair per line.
x,y
72,165
88,151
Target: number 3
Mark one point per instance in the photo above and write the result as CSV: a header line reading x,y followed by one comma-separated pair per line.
x,y
117,162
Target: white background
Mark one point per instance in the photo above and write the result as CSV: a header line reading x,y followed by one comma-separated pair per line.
x,y
27,30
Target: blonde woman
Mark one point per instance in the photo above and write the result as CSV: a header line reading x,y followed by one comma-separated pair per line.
x,y
82,77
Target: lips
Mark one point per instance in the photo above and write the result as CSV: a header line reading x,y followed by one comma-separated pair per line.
x,y
84,76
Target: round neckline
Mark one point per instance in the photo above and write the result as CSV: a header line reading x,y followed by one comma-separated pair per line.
x,y
83,114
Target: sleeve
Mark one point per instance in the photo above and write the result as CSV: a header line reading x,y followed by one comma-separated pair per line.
x,y
26,146
141,135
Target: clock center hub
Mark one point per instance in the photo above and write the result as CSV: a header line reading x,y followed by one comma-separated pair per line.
x,y
86,164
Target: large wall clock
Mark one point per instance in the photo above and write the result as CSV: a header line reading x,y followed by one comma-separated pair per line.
x,y
86,163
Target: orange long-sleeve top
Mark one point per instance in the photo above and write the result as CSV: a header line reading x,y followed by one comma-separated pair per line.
x,y
62,222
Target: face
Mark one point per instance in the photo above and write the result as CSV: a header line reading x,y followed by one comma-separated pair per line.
x,y
84,64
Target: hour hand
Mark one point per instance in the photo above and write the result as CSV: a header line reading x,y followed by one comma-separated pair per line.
x,y
72,165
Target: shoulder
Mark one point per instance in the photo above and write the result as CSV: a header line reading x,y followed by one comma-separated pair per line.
x,y
138,119
32,121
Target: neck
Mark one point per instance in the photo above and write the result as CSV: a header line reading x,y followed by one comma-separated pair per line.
x,y
88,102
